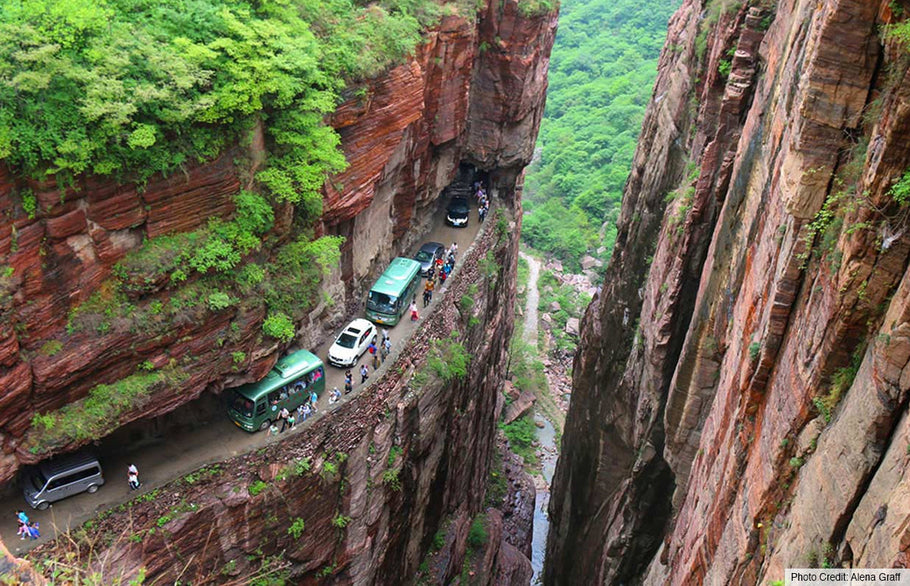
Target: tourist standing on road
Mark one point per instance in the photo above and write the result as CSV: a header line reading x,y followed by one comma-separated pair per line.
x,y
283,416
313,398
371,348
133,480
292,421
482,211
414,315
386,348
428,292
453,250
376,361
348,382
273,429
364,373
22,519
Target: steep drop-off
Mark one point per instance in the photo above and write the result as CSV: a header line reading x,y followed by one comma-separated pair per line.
x,y
471,97
740,393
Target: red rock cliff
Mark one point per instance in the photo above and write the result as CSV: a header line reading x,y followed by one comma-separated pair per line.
x,y
404,135
740,395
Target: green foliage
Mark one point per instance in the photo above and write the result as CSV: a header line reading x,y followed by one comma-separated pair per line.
x,y
341,521
98,413
536,7
477,534
238,357
448,358
51,347
796,462
754,350
134,87
602,71
257,487
278,325
724,68
296,528
219,300
571,303
292,282
390,479
439,540
900,191
521,433
899,32
393,455
841,381
29,203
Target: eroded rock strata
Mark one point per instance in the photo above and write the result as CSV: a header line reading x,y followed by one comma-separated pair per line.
x,y
740,393
472,95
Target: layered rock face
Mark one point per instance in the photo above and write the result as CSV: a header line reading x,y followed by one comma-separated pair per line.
x,y
404,135
740,393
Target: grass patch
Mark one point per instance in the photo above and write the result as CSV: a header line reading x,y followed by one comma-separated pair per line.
x,y
100,412
521,433
448,358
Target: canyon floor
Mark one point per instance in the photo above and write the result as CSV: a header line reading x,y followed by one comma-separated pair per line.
x,y
213,438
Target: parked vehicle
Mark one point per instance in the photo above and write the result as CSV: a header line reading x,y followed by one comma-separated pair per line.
x,y
427,255
457,212
289,384
58,478
393,291
350,345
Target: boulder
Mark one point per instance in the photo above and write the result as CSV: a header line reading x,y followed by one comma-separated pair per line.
x,y
572,326
588,262
555,306
518,407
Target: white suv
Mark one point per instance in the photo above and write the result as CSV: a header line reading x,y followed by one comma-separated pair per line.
x,y
352,343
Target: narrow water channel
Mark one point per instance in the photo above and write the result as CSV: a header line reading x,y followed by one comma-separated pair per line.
x,y
546,436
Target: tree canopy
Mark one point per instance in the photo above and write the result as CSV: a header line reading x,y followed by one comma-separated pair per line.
x,y
135,87
602,70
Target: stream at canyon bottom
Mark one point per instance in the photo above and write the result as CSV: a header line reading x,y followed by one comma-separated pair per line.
x,y
546,437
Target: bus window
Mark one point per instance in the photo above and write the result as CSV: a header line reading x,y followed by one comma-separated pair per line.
x,y
317,374
382,302
260,407
242,405
274,397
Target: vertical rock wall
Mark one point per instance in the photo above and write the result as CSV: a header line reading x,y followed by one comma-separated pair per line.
x,y
759,273
404,135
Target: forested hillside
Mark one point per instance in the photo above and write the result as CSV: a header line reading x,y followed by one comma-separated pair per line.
x,y
601,72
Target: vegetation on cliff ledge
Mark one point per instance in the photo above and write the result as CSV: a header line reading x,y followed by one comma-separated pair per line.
x,y
135,87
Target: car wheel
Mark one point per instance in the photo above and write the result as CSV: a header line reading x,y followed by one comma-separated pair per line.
x,y
264,425
92,488
42,506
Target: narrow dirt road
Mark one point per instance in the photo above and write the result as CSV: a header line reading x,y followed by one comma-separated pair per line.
x,y
533,299
179,452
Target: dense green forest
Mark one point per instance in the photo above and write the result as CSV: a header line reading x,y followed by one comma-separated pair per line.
x,y
602,70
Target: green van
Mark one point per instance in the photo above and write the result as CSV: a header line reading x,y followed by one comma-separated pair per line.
x,y
254,406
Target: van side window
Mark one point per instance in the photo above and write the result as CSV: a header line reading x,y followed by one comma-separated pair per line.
x,y
74,477
260,407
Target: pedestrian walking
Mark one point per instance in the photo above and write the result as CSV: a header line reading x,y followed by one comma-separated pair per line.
x,y
313,398
22,521
32,530
283,416
385,335
372,348
292,421
273,429
482,212
364,373
453,250
414,315
428,292
132,478
385,348
376,361
335,395
307,411
131,469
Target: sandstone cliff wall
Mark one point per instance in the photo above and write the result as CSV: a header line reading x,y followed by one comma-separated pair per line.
x,y
404,135
740,399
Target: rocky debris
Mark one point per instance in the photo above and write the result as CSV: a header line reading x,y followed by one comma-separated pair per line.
x,y
518,407
554,306
572,326
588,262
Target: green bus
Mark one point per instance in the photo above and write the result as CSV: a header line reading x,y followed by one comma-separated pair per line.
x,y
393,290
289,384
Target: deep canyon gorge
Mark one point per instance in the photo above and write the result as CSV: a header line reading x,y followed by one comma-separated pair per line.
x,y
740,389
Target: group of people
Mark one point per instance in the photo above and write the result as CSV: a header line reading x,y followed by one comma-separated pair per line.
x,y
440,268
290,417
27,529
483,204
378,354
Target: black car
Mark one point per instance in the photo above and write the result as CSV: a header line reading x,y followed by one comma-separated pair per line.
x,y
457,212
427,254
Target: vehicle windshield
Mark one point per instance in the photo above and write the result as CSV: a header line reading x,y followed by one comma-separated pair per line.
x,y
346,340
242,405
38,480
423,256
381,302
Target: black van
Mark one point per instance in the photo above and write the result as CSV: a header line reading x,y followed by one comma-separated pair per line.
x,y
59,478
458,211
